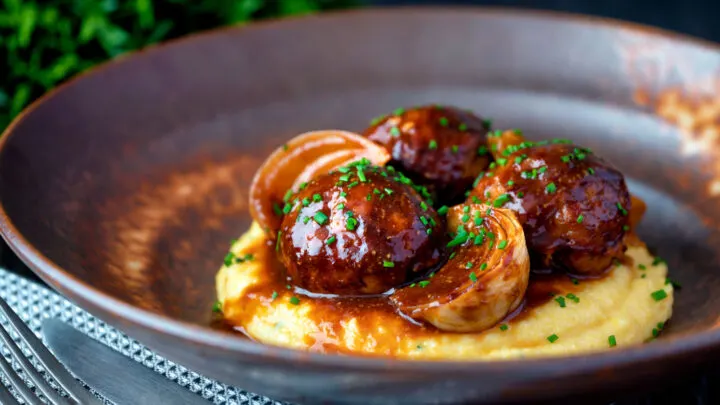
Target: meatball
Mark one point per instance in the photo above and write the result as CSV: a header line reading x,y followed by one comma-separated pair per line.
x,y
572,204
443,148
359,230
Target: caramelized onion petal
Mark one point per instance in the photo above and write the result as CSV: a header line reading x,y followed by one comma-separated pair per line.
x,y
499,141
299,160
482,283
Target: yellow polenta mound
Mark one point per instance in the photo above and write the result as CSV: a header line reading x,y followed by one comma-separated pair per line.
x,y
627,304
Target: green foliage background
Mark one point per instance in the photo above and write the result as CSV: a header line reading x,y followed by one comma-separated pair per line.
x,y
43,42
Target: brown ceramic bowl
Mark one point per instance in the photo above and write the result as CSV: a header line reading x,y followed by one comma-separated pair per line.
x,y
123,188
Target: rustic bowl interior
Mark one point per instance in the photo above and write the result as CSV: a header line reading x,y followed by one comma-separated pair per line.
x,y
134,178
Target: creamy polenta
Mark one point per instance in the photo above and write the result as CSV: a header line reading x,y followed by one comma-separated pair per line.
x,y
627,306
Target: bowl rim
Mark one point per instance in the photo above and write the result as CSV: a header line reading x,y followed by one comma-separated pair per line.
x,y
55,276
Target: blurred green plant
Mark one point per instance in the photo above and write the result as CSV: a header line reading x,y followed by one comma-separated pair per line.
x,y
43,42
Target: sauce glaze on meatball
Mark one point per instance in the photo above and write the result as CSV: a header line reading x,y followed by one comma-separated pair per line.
x,y
441,147
573,205
360,230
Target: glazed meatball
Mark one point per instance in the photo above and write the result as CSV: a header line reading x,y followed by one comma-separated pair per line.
x,y
359,230
443,148
572,204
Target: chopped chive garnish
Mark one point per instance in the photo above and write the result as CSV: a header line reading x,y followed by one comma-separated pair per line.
x,y
454,148
452,255
626,228
502,161
501,200
459,239
482,151
641,267
443,121
388,264
553,338
622,210
423,205
330,240
657,261
274,295
590,170
399,111
575,281
611,341
465,217
462,127
305,202
551,188
428,231
294,300
395,131
483,267
320,217
229,258
344,178
317,197
560,301
344,169
478,240
520,194
353,184
503,327
343,194
433,145
659,295
580,218
302,186
305,220
473,277
340,206
287,196
277,241
572,297
502,244
468,265
424,283
217,307
510,183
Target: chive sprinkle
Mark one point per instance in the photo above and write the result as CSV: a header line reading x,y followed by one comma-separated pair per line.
x,y
572,297
274,295
659,295
424,283
553,338
580,218
462,127
551,188
468,265
461,238
482,151
642,267
611,341
388,264
454,148
443,121
501,200
473,277
317,198
399,111
443,210
294,300
305,220
503,327
330,240
510,183
217,307
351,223
622,210
395,131
277,242
560,301
287,196
483,267
502,244
343,194
320,217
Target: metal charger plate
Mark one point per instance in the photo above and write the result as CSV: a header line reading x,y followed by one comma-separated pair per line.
x,y
122,189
